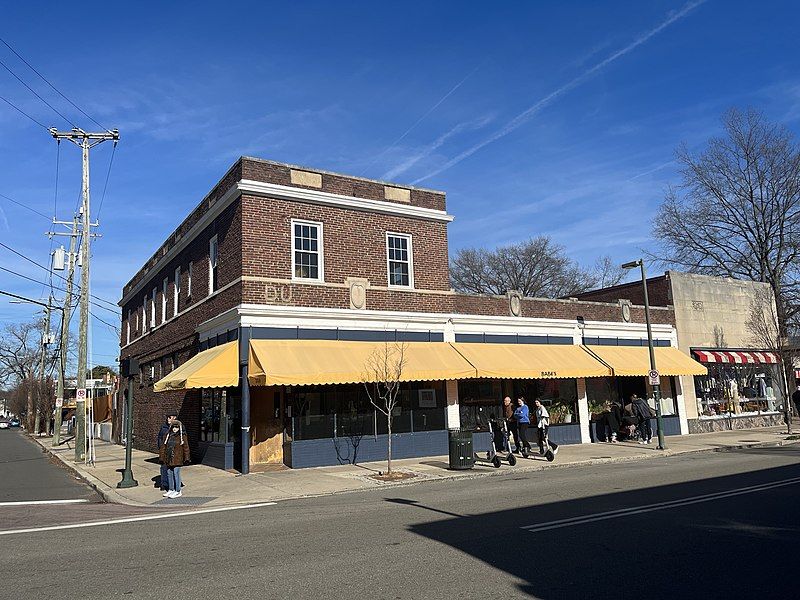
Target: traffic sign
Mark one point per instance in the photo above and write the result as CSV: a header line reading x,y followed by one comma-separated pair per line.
x,y
655,379
80,394
59,402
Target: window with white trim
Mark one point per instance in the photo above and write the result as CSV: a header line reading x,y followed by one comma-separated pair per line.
x,y
153,308
176,292
189,281
399,260
307,257
144,314
136,328
128,328
213,260
164,290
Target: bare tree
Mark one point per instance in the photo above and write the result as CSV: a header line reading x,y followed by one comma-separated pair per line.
x,y
607,273
736,212
762,322
383,373
20,353
537,267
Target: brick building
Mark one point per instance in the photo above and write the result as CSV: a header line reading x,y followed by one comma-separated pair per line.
x,y
247,313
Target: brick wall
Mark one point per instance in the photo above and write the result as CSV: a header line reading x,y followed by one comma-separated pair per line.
x,y
658,292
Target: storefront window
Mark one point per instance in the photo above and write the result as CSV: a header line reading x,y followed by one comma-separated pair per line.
x,y
733,389
218,411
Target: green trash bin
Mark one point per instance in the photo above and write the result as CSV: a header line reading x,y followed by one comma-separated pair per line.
x,y
462,454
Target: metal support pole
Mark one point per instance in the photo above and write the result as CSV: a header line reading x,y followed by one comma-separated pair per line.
x,y
657,387
127,475
245,421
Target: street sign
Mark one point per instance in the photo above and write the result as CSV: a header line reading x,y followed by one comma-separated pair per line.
x,y
655,379
80,394
59,402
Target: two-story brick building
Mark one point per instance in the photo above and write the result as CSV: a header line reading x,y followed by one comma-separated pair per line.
x,y
255,318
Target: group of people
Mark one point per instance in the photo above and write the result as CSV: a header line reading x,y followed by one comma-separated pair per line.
x,y
173,452
625,421
518,421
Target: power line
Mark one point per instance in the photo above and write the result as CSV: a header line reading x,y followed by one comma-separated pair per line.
x,y
55,89
18,203
18,78
105,186
22,112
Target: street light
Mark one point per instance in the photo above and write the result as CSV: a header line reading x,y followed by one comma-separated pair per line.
x,y
657,387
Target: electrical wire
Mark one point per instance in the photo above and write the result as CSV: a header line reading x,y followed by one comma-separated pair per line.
x,y
53,108
25,206
54,88
105,186
23,113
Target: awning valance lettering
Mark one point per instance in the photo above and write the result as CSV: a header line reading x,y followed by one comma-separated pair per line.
x,y
317,362
531,361
213,368
633,361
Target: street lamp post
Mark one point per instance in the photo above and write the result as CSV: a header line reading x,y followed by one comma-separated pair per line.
x,y
657,387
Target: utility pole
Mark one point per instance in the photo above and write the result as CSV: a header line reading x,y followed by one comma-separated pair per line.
x,y
85,141
66,315
45,343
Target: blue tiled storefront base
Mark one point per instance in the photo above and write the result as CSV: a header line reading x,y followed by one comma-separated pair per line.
x,y
672,426
330,451
560,434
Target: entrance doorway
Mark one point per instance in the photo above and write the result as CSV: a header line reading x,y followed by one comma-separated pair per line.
x,y
266,426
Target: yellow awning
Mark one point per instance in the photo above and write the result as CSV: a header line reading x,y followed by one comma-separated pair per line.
x,y
316,362
531,361
635,361
212,368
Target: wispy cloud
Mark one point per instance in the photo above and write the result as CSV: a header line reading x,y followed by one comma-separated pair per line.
x,y
437,143
526,115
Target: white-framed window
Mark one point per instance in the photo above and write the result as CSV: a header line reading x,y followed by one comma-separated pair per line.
x,y
176,292
144,314
128,328
164,290
137,320
307,251
189,281
399,260
153,308
213,261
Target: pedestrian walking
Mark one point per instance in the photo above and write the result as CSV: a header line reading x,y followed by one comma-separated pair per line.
x,y
543,424
644,413
523,417
511,422
174,453
162,434
796,398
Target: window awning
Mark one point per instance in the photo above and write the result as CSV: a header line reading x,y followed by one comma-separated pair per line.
x,y
738,357
317,362
531,361
631,361
213,368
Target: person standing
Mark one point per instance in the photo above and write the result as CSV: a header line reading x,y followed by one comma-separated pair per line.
x,y
522,416
162,434
511,422
796,398
642,410
174,453
543,424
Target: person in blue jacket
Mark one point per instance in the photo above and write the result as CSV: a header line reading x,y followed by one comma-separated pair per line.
x,y
522,415
162,434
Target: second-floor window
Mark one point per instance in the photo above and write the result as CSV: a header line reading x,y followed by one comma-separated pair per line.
x,y
164,290
153,308
307,258
128,329
213,259
398,256
176,292
189,281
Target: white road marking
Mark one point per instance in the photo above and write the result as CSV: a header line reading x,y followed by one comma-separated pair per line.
x,y
34,502
624,512
185,513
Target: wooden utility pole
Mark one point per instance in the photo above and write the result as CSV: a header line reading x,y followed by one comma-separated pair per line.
x,y
42,361
85,141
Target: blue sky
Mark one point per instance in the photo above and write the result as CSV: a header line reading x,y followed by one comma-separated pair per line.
x,y
555,118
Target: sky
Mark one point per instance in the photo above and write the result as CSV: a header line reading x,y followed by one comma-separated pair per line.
x,y
536,118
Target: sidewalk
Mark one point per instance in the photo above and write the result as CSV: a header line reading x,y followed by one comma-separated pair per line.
x,y
208,487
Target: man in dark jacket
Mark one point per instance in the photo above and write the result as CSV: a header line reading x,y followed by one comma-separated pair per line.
x,y
162,433
642,410
796,398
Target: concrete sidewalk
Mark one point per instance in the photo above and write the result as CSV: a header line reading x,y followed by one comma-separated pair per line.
x,y
207,486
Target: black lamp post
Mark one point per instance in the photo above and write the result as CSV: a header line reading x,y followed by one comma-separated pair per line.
x,y
657,387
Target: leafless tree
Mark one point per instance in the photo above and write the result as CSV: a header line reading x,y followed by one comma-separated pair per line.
x,y
382,376
537,267
20,353
736,212
762,322
607,273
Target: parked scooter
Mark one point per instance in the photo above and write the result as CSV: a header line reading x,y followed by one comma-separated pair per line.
x,y
549,455
499,444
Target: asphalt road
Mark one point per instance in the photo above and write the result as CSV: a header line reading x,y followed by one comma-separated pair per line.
x,y
720,525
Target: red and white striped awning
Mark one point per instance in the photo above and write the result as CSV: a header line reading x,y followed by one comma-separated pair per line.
x,y
797,374
738,357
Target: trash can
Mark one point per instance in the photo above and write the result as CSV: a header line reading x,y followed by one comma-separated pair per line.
x,y
462,455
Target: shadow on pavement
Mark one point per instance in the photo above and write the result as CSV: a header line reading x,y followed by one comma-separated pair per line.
x,y
731,547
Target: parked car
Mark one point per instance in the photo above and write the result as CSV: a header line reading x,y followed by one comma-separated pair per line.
x,y
14,422
5,423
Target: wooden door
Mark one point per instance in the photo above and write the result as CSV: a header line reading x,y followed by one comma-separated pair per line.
x,y
266,430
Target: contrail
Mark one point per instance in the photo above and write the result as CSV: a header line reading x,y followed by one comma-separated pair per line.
x,y
530,112
422,118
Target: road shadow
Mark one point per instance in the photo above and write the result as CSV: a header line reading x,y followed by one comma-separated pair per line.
x,y
727,547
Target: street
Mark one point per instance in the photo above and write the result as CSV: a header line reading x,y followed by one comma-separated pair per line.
x,y
699,525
